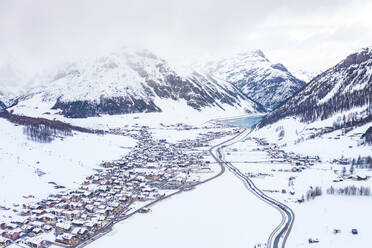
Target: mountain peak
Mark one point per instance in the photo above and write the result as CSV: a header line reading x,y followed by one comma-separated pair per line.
x,y
131,81
342,92
253,74
258,54
358,57
279,67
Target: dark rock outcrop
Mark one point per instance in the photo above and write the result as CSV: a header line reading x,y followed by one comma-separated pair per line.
x,y
2,106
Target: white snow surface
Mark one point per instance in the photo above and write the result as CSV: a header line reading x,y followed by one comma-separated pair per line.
x,y
173,112
314,218
305,76
12,83
221,213
254,74
233,68
328,147
132,74
106,76
66,162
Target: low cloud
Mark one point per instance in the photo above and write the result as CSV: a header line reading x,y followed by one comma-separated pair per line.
x,y
309,35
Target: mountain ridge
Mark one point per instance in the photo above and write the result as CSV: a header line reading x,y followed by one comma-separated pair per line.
x,y
255,76
341,88
129,81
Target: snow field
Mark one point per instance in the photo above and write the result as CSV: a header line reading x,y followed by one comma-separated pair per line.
x,y
314,218
66,162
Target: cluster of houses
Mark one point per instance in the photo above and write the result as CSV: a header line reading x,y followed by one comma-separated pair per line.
x,y
279,155
152,169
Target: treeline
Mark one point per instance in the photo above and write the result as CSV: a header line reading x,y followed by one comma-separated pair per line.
x,y
310,110
44,134
313,192
367,136
350,190
362,162
339,103
44,130
36,121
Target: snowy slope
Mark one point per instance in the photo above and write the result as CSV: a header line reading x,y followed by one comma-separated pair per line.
x,y
254,75
2,106
305,76
217,214
12,83
330,116
129,81
63,161
341,89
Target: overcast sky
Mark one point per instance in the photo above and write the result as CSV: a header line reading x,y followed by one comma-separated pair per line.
x,y
309,35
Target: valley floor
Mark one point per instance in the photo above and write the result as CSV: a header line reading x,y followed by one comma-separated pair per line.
x,y
220,213
29,168
316,218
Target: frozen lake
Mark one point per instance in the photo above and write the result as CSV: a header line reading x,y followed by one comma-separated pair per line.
x,y
247,122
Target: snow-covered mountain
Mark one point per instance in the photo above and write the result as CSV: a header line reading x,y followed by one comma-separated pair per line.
x,y
331,117
305,76
251,72
12,82
131,81
343,89
2,106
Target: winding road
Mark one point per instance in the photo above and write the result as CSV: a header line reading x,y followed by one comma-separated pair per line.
x,y
278,237
109,226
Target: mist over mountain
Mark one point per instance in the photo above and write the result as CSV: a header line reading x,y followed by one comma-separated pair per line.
x,y
131,81
305,76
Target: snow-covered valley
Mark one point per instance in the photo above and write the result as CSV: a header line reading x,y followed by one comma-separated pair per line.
x,y
106,151
31,168
316,218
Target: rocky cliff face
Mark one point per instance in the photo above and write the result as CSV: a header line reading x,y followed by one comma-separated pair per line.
x,y
344,89
255,76
2,106
130,81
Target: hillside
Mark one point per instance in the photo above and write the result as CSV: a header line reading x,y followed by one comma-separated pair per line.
x,y
12,83
345,89
331,117
305,76
2,106
130,81
255,76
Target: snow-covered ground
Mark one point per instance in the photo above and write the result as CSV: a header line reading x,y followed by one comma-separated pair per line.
x,y
305,76
174,112
294,136
314,218
64,161
221,213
